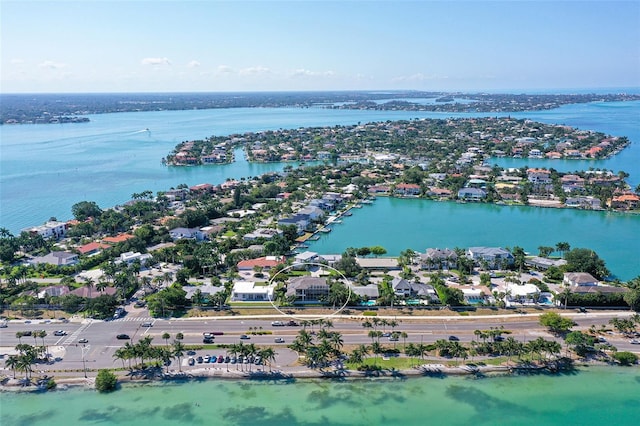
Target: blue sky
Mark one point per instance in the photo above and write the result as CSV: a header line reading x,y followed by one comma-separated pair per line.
x,y
177,46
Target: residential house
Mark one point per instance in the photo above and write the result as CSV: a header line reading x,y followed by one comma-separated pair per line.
x,y
539,176
117,239
543,263
249,291
265,263
579,279
436,258
588,203
315,214
305,257
366,292
471,194
130,257
378,263
57,258
51,229
92,292
493,257
302,222
407,189
264,233
186,234
92,248
206,290
53,291
307,289
627,201
572,183
405,288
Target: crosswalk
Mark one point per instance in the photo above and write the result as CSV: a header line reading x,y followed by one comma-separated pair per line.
x,y
73,337
134,319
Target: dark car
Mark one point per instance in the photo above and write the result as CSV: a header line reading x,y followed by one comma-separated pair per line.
x,y
244,337
199,359
220,359
123,337
191,361
454,339
207,340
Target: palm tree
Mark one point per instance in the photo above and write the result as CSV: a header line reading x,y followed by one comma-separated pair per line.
x,y
404,336
179,336
121,354
268,355
88,283
166,336
337,342
19,336
178,352
13,362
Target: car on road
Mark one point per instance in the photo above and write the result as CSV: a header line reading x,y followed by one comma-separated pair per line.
x,y
386,334
499,339
123,337
59,333
454,339
634,341
393,338
279,340
140,304
277,324
244,337
207,340
292,323
147,324
83,340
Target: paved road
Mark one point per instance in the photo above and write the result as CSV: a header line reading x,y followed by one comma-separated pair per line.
x,y
102,342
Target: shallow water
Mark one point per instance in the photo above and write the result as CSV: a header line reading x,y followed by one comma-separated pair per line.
x,y
593,396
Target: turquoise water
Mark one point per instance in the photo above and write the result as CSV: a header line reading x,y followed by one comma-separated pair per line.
x,y
598,397
399,224
45,169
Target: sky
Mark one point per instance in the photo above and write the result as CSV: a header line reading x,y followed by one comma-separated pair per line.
x,y
225,46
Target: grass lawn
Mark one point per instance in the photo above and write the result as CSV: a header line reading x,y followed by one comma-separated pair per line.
x,y
399,363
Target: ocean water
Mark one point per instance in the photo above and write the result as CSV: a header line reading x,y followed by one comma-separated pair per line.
x,y
45,169
599,396
398,224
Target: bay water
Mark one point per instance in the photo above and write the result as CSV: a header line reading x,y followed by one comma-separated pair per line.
x,y
592,396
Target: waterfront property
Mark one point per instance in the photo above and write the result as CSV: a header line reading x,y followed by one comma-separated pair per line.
x,y
307,289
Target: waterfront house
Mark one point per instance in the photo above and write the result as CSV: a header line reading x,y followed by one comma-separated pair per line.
x,y
471,194
439,259
579,279
379,189
587,203
307,289
302,222
626,201
51,229
366,292
407,189
543,263
249,291
315,214
305,257
494,257
539,176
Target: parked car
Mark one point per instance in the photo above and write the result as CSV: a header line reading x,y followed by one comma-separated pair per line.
x,y
199,359
220,359
191,361
207,358
59,333
279,340
227,359
190,352
122,337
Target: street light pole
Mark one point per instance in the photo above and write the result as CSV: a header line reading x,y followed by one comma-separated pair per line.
x,y
84,363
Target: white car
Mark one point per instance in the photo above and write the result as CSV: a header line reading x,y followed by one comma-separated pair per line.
x,y
277,324
634,341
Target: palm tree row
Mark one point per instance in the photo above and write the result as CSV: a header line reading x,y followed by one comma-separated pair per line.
x,y
326,348
250,351
27,356
143,350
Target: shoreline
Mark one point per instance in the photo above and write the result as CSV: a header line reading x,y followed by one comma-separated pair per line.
x,y
423,370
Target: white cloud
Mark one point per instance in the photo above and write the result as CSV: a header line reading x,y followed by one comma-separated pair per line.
x,y
17,61
308,73
259,70
193,64
51,65
156,61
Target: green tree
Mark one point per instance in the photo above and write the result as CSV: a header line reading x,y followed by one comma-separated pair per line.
x,y
85,209
625,358
556,323
106,381
586,260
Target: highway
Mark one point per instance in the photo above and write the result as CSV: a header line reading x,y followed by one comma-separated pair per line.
x,y
102,343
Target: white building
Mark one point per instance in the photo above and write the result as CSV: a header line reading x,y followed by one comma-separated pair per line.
x,y
249,291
